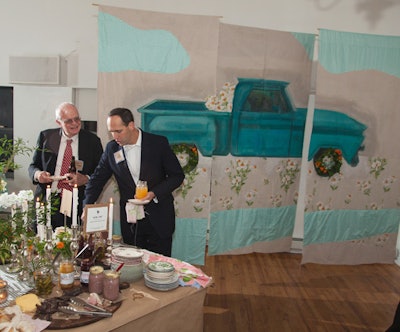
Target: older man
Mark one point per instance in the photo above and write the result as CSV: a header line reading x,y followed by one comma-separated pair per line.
x,y
69,140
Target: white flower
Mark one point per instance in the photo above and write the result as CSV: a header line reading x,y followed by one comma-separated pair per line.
x,y
183,158
9,200
222,101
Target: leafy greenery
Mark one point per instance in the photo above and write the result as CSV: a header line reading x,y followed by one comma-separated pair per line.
x,y
18,226
13,229
9,148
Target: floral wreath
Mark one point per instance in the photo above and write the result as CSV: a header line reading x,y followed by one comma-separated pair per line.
x,y
328,162
188,156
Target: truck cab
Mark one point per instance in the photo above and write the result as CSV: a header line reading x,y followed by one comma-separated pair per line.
x,y
264,122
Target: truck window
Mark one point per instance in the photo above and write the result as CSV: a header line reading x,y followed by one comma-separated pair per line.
x,y
265,101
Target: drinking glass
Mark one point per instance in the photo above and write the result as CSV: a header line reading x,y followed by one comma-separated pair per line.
x,y
141,189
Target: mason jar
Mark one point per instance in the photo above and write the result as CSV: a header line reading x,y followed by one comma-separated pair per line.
x,y
3,291
96,277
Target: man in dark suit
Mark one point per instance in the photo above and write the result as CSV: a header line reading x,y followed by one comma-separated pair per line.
x,y
48,157
135,155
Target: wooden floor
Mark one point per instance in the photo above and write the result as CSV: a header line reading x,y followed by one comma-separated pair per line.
x,y
274,292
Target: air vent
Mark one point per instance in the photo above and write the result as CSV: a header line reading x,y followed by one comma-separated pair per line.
x,y
35,70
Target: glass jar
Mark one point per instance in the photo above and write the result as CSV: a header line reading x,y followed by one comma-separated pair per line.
x,y
43,281
111,285
66,273
96,277
3,291
86,264
116,240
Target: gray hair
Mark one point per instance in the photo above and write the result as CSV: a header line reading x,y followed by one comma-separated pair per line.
x,y
60,108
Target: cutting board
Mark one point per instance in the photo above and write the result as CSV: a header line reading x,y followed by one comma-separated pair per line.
x,y
60,324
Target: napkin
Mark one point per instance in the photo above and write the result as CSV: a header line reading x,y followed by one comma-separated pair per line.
x,y
134,212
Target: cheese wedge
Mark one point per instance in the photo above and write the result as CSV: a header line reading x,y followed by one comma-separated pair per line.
x,y
27,302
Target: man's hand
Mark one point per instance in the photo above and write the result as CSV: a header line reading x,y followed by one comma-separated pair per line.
x,y
44,177
76,179
150,195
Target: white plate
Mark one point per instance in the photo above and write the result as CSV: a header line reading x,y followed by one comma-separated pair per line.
x,y
58,178
128,253
138,201
160,266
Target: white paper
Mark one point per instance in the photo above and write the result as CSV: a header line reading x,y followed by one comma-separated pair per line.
x,y
96,219
66,202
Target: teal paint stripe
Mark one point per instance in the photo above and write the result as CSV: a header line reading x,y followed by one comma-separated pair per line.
x,y
234,229
341,52
123,47
189,240
307,40
345,225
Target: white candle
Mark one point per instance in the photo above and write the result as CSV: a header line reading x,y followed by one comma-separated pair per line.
x,y
48,200
13,208
75,203
110,218
25,212
41,227
37,208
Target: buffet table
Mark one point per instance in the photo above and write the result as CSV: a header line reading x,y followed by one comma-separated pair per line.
x,y
144,309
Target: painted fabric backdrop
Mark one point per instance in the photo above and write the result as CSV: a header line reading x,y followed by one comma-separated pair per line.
x,y
248,204
253,199
144,56
353,217
211,54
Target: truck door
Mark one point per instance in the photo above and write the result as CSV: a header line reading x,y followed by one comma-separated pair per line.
x,y
262,127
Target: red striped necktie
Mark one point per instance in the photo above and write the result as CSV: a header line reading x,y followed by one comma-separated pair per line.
x,y
62,184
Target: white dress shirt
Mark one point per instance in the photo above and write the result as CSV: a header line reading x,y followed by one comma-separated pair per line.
x,y
133,157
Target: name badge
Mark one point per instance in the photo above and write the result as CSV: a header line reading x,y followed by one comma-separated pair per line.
x,y
119,156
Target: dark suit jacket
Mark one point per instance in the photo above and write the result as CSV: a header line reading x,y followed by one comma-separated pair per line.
x,y
159,167
45,156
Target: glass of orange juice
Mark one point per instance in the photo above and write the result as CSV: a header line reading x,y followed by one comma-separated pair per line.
x,y
141,189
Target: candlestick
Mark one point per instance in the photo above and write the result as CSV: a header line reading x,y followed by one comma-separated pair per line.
x,y
110,219
48,199
75,205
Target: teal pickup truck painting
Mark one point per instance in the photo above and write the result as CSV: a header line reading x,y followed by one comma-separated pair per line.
x,y
263,123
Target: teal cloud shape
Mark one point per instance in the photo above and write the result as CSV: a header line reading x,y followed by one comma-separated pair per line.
x,y
123,47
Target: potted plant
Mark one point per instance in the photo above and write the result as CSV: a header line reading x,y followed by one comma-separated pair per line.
x,y
9,149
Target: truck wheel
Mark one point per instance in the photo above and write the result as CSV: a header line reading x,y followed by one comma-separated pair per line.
x,y
328,161
188,156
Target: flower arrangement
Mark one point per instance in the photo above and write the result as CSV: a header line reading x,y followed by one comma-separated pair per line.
x,y
188,156
62,241
14,226
328,162
17,222
222,102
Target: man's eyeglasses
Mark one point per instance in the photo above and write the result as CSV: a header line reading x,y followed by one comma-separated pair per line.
x,y
70,121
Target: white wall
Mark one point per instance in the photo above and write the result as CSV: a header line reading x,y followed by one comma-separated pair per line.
x,y
69,28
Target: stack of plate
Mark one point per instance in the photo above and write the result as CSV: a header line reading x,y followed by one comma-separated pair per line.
x,y
132,269
161,276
